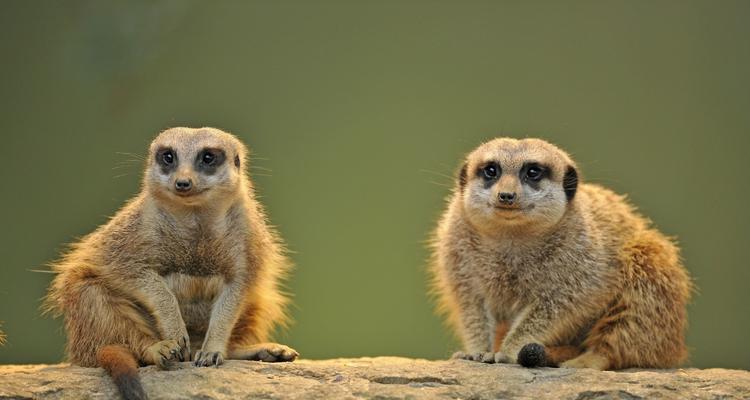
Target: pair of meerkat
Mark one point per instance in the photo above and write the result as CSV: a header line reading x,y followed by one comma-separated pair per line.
x,y
532,266
188,269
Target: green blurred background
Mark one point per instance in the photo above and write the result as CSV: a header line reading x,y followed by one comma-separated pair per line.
x,y
357,115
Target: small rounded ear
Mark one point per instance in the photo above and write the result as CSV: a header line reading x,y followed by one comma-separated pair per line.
x,y
237,161
463,176
570,182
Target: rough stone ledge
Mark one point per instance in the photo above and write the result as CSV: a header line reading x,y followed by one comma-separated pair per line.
x,y
376,378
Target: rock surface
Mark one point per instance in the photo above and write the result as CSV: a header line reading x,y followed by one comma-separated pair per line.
x,y
376,378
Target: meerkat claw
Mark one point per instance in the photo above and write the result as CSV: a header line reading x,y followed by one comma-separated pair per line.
x,y
483,357
208,359
163,353
184,353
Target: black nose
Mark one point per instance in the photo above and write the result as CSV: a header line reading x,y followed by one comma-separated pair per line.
x,y
183,185
506,198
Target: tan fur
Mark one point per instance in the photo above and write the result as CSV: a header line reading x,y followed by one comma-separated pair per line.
x,y
588,278
169,275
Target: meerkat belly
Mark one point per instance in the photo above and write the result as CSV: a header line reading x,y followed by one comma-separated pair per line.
x,y
196,296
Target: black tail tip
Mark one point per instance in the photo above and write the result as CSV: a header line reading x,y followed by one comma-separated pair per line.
x,y
130,387
532,356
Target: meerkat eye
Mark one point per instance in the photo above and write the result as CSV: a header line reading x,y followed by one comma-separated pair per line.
x,y
491,171
167,157
208,158
534,173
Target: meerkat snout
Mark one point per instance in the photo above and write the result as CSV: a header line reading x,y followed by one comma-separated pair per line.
x,y
183,185
506,198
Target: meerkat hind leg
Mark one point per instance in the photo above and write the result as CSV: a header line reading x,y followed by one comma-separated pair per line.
x,y
97,318
645,326
267,352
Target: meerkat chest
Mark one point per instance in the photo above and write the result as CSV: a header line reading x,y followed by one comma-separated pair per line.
x,y
194,289
507,278
200,252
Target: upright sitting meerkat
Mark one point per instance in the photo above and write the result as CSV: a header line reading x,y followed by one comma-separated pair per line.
x,y
189,265
536,268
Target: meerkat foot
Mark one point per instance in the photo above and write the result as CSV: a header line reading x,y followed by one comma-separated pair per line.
x,y
163,353
588,360
208,359
267,352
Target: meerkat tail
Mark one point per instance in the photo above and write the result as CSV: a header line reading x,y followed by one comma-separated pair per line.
x,y
121,365
534,355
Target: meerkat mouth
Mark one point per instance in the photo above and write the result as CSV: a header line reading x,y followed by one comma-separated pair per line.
x,y
513,209
190,193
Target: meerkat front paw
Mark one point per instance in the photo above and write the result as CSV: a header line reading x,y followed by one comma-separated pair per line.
x,y
180,336
208,358
484,357
269,352
163,353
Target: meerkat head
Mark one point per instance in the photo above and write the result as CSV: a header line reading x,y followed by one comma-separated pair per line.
x,y
511,183
194,167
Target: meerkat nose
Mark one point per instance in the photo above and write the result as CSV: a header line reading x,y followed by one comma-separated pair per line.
x,y
183,185
506,198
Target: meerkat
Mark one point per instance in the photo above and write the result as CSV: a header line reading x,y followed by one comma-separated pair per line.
x,y
534,267
188,266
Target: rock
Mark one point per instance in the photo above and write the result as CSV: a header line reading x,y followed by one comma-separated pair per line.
x,y
379,378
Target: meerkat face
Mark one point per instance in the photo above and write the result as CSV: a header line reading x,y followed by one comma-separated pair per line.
x,y
509,183
194,166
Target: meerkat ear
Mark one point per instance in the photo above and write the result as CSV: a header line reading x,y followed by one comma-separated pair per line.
x,y
570,182
237,161
463,176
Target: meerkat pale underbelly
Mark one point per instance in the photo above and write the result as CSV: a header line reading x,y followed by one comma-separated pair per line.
x,y
196,296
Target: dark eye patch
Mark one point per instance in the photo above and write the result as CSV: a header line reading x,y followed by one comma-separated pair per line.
x,y
532,173
489,172
209,160
166,159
